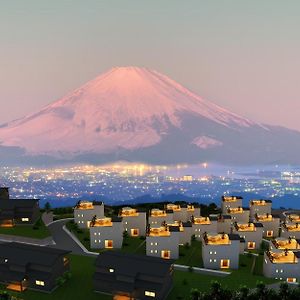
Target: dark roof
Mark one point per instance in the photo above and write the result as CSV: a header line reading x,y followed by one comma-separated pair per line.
x,y
234,237
186,224
23,254
226,217
242,240
213,218
169,211
258,225
174,228
297,254
17,203
116,219
133,264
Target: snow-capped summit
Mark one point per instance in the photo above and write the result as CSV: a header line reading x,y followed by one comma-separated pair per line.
x,y
131,111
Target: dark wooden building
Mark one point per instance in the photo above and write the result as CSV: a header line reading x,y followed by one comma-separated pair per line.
x,y
132,276
25,266
17,211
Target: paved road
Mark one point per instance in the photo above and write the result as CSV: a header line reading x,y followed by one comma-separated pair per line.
x,y
62,239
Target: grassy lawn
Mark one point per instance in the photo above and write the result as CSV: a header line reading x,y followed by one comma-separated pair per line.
x,y
191,255
31,231
185,281
79,287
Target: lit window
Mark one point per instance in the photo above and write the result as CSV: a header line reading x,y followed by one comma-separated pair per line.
x,y
95,233
149,294
25,219
95,241
215,252
39,282
151,244
6,260
151,251
210,260
156,244
210,252
156,251
99,233
111,270
276,271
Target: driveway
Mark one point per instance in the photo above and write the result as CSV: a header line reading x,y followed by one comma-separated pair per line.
x,y
62,239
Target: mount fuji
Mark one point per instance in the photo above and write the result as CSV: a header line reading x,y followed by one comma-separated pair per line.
x,y
137,114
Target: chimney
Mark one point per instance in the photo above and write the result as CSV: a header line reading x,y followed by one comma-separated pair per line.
x,y
4,193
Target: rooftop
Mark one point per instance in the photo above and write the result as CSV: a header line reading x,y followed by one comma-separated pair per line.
x,y
282,257
294,218
260,202
282,243
128,212
235,210
292,227
104,222
84,205
264,218
158,213
174,207
216,239
201,220
245,227
231,198
161,231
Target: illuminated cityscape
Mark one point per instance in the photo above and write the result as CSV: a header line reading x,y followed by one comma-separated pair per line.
x,y
124,182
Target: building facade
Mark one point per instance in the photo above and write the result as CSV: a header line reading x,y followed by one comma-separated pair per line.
x,y
106,233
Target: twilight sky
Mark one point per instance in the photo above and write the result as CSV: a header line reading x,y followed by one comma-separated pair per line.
x,y
243,55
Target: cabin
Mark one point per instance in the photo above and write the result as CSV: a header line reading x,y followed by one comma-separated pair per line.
x,y
132,276
239,214
157,217
201,225
271,224
24,266
17,211
290,230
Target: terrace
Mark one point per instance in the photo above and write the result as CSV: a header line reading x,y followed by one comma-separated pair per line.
x,y
282,257
158,213
258,202
128,212
190,207
176,224
294,218
230,199
201,221
235,210
264,218
84,205
217,239
174,207
292,227
283,243
162,231
245,227
104,222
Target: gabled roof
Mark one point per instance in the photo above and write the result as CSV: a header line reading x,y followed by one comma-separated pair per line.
x,y
132,265
23,254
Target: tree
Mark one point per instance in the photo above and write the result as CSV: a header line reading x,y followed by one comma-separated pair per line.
x,y
47,207
284,291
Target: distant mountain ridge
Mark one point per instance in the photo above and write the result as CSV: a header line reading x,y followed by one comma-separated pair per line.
x,y
137,114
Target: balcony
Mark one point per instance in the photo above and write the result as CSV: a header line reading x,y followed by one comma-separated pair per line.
x,y
282,257
216,239
201,221
248,227
85,205
128,212
283,243
264,218
162,231
158,213
176,224
105,222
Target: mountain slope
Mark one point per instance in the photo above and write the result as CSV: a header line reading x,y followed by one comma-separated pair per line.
x,y
139,114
